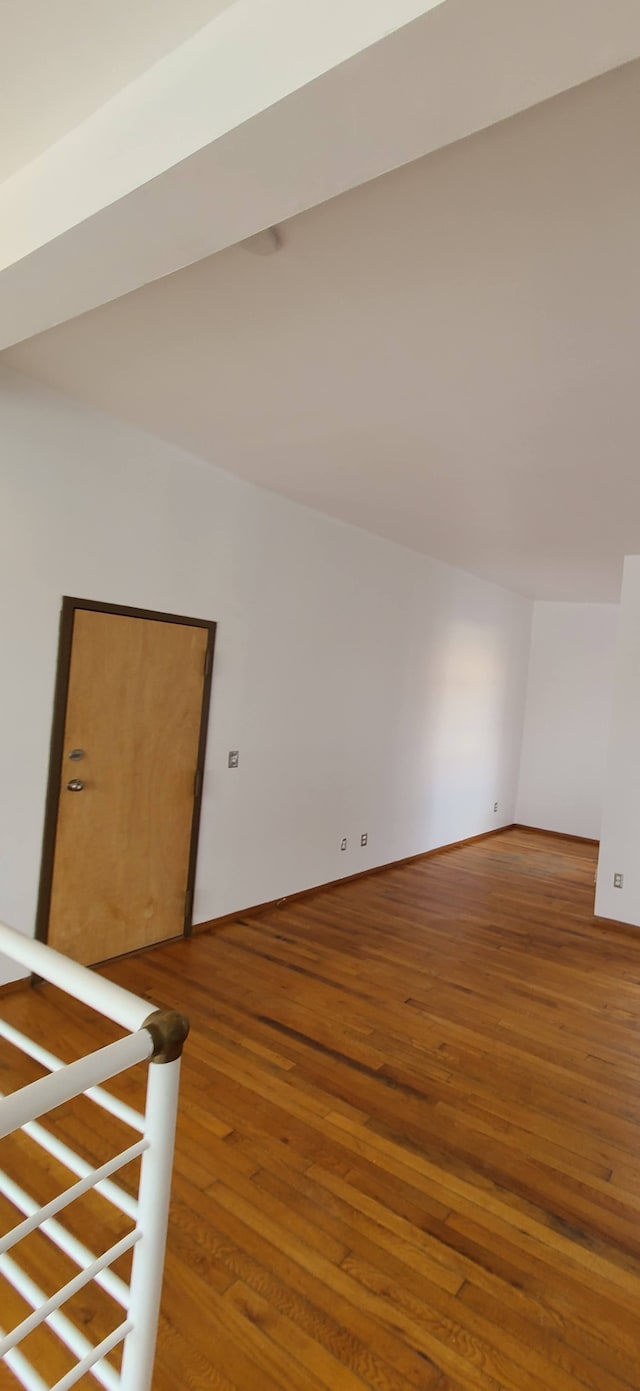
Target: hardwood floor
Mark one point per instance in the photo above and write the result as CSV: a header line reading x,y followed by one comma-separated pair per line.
x,y
409,1145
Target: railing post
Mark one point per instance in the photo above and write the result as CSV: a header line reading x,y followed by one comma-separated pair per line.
x,y
168,1031
158,1037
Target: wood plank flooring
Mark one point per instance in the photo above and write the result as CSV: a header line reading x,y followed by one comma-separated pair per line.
x,y
408,1153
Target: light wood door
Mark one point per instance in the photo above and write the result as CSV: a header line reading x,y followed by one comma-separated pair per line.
x,y
123,840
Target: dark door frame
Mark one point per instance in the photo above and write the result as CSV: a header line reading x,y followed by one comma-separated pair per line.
x,y
65,641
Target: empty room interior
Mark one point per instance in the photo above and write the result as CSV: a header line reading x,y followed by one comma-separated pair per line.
x,y
320,695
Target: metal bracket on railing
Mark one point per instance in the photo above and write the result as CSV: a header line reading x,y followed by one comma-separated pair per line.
x,y
168,1030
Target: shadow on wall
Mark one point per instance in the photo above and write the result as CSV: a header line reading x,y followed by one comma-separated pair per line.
x,y
465,752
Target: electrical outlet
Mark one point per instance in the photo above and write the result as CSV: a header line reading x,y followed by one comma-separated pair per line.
x,y
495,806
618,881
343,843
234,758
364,838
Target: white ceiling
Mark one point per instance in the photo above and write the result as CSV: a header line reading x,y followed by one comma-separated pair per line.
x,y
447,356
61,59
270,109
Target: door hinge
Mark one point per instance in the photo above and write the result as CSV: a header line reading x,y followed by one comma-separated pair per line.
x,y
197,783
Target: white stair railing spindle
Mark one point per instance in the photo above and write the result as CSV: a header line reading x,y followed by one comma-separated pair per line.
x,y
156,1039
37,1098
53,1064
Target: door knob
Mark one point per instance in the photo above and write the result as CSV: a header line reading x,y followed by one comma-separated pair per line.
x,y
75,785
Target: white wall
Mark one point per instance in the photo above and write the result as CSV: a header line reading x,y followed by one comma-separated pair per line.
x,y
620,840
566,724
366,687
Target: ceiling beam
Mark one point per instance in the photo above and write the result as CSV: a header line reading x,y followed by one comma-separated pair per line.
x,y
270,109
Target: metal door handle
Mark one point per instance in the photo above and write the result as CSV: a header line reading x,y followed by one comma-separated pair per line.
x,y
75,785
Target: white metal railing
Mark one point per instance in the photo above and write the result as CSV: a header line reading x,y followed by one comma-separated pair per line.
x,y
155,1038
